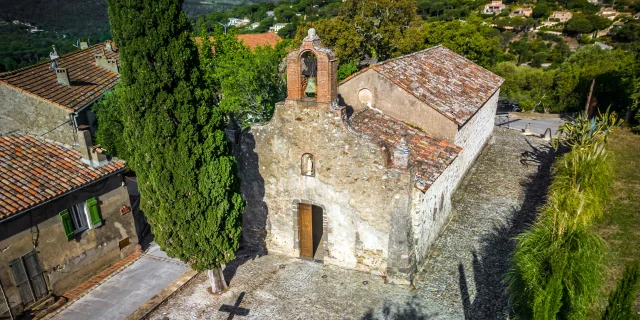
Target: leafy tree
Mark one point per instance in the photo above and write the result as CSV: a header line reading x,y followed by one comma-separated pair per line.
x,y
109,133
466,38
579,24
338,35
175,137
249,82
288,31
541,10
347,69
621,300
381,24
629,32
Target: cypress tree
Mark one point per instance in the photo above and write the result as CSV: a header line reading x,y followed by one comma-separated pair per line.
x,y
175,137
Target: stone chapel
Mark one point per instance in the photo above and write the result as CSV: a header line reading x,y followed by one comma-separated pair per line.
x,y
360,174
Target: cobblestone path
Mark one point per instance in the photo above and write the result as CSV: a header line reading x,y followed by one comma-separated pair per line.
x,y
462,279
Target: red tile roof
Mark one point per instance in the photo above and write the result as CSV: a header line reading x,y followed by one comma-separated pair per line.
x,y
34,170
88,80
428,156
444,80
260,39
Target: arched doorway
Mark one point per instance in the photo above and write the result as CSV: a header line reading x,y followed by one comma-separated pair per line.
x,y
311,231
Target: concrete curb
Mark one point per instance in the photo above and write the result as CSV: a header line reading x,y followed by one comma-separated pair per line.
x,y
95,281
163,295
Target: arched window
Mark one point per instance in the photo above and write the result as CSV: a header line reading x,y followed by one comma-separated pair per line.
x,y
307,165
309,66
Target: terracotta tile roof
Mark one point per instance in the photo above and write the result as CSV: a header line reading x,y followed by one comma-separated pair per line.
x,y
444,80
428,156
260,39
34,170
88,81
252,40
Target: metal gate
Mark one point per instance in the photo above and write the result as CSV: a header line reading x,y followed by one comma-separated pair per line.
x,y
29,277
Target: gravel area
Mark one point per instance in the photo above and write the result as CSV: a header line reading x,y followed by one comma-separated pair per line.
x,y
462,279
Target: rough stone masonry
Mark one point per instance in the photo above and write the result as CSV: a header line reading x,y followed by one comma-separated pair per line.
x,y
341,151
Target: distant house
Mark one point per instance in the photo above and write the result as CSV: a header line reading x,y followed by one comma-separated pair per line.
x,y
64,217
270,14
53,98
254,25
233,21
608,12
525,12
603,46
637,16
495,7
242,22
276,27
562,16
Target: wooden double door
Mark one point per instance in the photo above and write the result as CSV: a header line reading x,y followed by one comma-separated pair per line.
x,y
311,231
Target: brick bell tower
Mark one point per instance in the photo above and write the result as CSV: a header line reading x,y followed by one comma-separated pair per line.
x,y
312,74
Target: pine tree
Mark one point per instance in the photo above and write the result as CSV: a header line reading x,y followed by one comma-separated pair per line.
x,y
622,298
175,137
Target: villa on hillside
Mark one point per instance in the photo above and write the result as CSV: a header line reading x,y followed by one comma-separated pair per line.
x,y
561,16
495,7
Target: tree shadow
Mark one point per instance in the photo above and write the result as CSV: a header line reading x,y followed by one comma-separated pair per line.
x,y
411,310
254,217
491,264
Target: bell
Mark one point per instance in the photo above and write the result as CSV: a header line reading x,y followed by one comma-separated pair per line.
x,y
311,86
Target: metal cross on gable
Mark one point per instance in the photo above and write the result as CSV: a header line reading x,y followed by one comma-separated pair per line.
x,y
235,309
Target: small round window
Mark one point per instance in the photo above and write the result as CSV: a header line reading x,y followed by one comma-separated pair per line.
x,y
365,97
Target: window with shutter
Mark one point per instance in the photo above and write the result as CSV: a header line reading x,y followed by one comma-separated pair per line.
x,y
94,213
67,224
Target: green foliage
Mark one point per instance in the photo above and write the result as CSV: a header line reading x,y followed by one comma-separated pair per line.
x,y
529,86
248,82
621,300
173,135
629,32
556,268
469,39
347,69
109,133
555,276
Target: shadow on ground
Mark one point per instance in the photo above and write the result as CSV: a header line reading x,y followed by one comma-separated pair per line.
x,y
412,310
491,263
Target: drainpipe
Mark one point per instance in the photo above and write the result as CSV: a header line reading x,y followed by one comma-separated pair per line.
x,y
6,300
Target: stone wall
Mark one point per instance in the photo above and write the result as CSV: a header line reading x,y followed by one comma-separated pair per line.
x,y
360,196
68,263
20,111
396,102
432,210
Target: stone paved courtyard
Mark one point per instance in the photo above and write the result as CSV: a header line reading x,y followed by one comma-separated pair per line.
x,y
462,279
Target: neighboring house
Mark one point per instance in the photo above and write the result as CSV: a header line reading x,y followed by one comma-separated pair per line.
x,y
233,21
276,27
361,174
52,99
523,12
562,16
63,216
608,12
495,7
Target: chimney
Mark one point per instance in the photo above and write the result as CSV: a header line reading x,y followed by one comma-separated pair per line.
x,y
84,45
104,62
63,76
401,155
91,155
109,45
233,131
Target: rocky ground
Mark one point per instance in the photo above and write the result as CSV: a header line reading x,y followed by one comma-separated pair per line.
x,y
462,279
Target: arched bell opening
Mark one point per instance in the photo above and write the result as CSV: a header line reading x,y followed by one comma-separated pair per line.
x,y
309,72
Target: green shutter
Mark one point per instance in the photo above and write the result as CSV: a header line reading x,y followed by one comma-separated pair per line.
x,y
66,224
92,204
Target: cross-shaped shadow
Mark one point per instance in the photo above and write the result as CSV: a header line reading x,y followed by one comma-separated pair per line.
x,y
235,309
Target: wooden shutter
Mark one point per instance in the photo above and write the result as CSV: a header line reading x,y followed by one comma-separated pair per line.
x,y
94,214
35,274
22,281
66,224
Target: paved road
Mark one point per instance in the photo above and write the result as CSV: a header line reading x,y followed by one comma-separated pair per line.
x,y
538,126
125,292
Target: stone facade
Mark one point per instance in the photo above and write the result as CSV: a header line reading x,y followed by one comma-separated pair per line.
x,y
376,217
68,263
20,111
